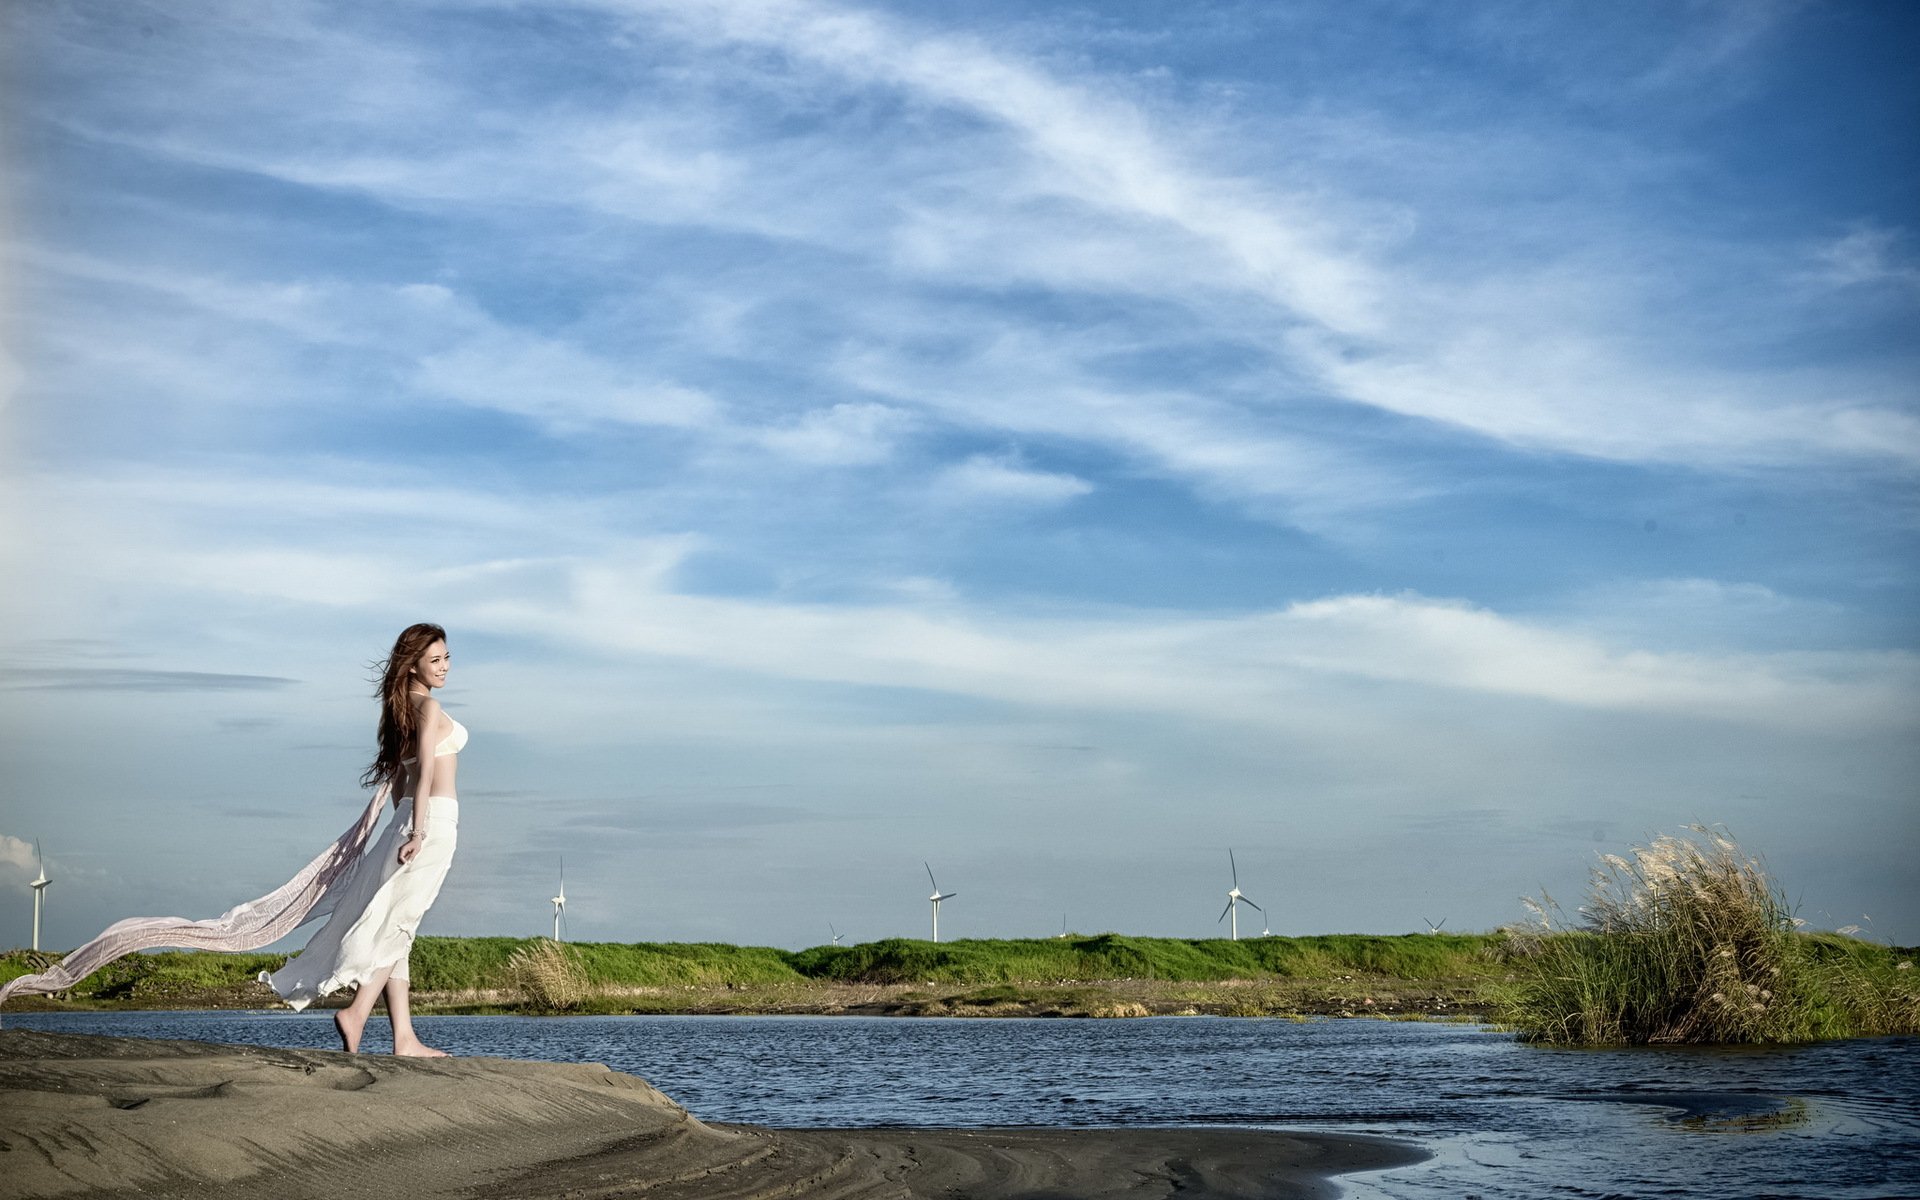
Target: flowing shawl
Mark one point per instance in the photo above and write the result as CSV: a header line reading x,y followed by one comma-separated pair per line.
x,y
309,895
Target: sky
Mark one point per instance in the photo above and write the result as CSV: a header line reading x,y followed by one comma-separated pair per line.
x,y
1416,447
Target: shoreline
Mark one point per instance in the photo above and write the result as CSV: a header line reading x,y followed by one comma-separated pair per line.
x,y
1380,998
116,1116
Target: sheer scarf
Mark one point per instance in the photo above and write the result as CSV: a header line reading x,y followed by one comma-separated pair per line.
x,y
307,896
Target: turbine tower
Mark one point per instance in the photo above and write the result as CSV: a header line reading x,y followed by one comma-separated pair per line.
x,y
1235,899
937,897
39,885
559,902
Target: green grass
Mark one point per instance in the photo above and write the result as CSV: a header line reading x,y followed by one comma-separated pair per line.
x,y
1115,956
449,964
153,977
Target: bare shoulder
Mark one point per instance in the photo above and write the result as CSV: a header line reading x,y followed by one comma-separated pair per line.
x,y
427,709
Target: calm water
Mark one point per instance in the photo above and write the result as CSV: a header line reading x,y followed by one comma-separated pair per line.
x,y
1503,1120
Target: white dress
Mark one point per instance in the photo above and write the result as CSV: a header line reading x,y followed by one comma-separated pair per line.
x,y
376,913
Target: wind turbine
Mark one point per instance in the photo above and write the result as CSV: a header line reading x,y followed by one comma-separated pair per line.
x,y
834,932
937,897
559,902
39,885
1431,927
1235,899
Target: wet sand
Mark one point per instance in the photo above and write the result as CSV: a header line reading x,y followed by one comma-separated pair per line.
x,y
94,1116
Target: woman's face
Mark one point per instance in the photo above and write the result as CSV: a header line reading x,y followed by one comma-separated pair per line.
x,y
431,669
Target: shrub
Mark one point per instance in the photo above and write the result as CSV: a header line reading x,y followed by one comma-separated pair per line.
x,y
1688,940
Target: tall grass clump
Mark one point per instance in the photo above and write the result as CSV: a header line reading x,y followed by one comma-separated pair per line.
x,y
1688,940
548,975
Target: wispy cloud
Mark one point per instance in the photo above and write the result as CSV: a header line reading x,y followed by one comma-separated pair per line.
x,y
839,435
995,478
1067,181
1868,256
111,679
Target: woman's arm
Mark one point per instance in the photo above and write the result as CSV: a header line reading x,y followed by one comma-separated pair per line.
x,y
425,739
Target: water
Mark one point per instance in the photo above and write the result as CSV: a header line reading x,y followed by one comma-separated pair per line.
x,y
1503,1120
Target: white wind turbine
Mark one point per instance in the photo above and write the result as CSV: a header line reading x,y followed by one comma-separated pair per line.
x,y
39,885
834,932
1235,899
559,902
937,897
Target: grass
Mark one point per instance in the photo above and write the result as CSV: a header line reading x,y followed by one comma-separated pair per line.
x,y
1689,940
1108,973
1115,956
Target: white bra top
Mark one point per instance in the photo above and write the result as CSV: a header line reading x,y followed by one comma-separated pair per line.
x,y
453,743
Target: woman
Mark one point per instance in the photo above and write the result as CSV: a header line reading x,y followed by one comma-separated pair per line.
x,y
374,898
365,945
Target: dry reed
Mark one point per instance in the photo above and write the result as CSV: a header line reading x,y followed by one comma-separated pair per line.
x,y
549,976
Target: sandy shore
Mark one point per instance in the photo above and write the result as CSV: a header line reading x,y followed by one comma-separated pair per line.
x,y
93,1116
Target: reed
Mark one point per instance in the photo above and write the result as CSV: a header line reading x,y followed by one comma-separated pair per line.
x,y
548,975
1689,940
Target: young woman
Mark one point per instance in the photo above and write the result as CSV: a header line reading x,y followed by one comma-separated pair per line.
x,y
365,944
374,898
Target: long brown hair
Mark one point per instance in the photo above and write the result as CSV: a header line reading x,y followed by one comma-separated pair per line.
x,y
399,722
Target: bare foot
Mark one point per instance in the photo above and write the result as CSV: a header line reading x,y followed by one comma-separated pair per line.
x,y
349,1027
417,1049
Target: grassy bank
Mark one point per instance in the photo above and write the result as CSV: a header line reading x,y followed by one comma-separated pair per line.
x,y
1108,974
1564,985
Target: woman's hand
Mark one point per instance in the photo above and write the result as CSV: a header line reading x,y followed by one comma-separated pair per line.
x,y
411,847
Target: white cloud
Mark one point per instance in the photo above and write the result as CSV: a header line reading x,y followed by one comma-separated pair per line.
x,y
618,592
1073,182
1012,380
995,478
1867,255
839,435
1096,151
1553,377
18,855
558,385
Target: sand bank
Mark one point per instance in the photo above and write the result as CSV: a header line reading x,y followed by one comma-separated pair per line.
x,y
93,1116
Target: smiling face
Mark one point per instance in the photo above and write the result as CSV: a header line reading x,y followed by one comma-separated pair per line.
x,y
431,667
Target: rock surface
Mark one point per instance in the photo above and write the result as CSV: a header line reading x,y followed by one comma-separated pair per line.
x,y
94,1116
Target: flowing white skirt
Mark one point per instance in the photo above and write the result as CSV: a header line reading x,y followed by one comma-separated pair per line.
x,y
378,910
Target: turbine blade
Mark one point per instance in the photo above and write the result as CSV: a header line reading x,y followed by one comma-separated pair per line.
x,y
1225,911
1252,905
1234,865
950,895
930,878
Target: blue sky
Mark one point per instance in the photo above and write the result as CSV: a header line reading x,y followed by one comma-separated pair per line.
x,y
1420,446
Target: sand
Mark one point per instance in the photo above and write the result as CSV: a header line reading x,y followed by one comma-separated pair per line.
x,y
93,1116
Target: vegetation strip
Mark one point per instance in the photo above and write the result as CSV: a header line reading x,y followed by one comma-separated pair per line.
x,y
1506,976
